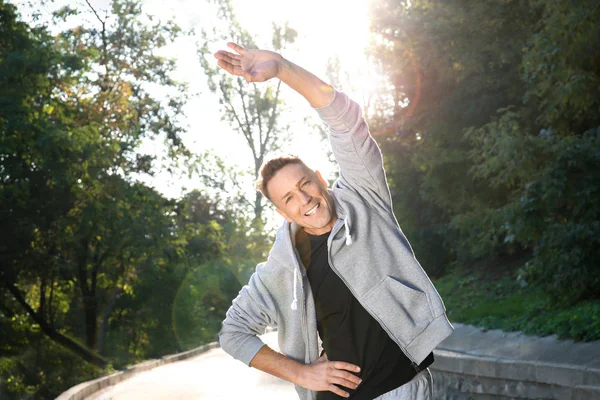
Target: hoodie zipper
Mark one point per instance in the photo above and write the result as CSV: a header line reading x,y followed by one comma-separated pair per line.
x,y
305,326
334,232
302,309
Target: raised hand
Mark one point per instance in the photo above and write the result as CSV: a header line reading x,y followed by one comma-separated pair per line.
x,y
252,65
325,375
262,65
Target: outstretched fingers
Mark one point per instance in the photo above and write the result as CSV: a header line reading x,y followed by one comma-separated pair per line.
x,y
228,57
238,49
234,70
232,65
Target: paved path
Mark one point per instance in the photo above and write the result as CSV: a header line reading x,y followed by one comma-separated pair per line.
x,y
212,375
215,375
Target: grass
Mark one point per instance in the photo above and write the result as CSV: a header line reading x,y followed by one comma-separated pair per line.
x,y
499,302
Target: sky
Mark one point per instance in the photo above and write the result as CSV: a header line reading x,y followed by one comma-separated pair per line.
x,y
326,29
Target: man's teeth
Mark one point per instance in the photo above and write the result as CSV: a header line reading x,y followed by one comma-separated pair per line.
x,y
312,211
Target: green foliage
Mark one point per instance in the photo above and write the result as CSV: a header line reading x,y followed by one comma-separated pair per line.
x,y
471,297
560,66
492,137
554,209
450,66
93,260
550,163
42,370
201,302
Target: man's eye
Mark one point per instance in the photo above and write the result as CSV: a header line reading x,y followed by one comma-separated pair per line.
x,y
305,183
287,199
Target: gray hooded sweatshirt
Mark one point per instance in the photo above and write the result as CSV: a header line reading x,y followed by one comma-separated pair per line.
x,y
367,249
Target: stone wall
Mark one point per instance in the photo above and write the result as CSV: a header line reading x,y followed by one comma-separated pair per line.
x,y
473,364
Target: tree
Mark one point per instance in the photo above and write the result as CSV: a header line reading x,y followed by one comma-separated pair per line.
x,y
252,111
74,111
545,149
450,65
87,252
493,134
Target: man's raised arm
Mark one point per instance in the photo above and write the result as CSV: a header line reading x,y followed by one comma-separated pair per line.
x,y
356,152
262,65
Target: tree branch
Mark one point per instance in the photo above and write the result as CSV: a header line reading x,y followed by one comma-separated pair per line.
x,y
105,85
64,341
95,13
7,311
272,118
260,130
51,311
42,298
245,129
248,123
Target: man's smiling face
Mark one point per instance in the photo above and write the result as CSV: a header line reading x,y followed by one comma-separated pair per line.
x,y
300,195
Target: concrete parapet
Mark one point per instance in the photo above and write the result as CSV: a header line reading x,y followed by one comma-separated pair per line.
x,y
86,389
479,364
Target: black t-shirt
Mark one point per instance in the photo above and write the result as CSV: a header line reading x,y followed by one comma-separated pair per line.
x,y
349,333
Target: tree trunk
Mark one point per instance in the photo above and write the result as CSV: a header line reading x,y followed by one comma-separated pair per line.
x,y
68,343
258,206
90,310
104,325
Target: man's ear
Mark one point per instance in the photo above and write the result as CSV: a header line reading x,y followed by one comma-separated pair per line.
x,y
320,177
284,215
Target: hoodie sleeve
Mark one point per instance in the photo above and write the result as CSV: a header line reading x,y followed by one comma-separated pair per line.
x,y
355,150
249,315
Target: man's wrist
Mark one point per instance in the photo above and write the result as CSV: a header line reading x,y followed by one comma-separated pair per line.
x,y
299,374
284,69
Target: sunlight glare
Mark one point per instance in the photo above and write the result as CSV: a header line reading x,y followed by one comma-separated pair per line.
x,y
326,30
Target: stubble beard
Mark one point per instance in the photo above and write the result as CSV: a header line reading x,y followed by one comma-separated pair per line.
x,y
328,202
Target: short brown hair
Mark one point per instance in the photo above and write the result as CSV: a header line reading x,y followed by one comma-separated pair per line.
x,y
270,168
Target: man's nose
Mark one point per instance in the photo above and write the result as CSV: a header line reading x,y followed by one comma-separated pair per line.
x,y
305,198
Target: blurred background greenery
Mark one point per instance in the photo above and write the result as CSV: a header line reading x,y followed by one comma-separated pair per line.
x,y
488,115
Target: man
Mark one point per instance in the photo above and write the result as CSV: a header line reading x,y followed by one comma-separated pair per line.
x,y
340,270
